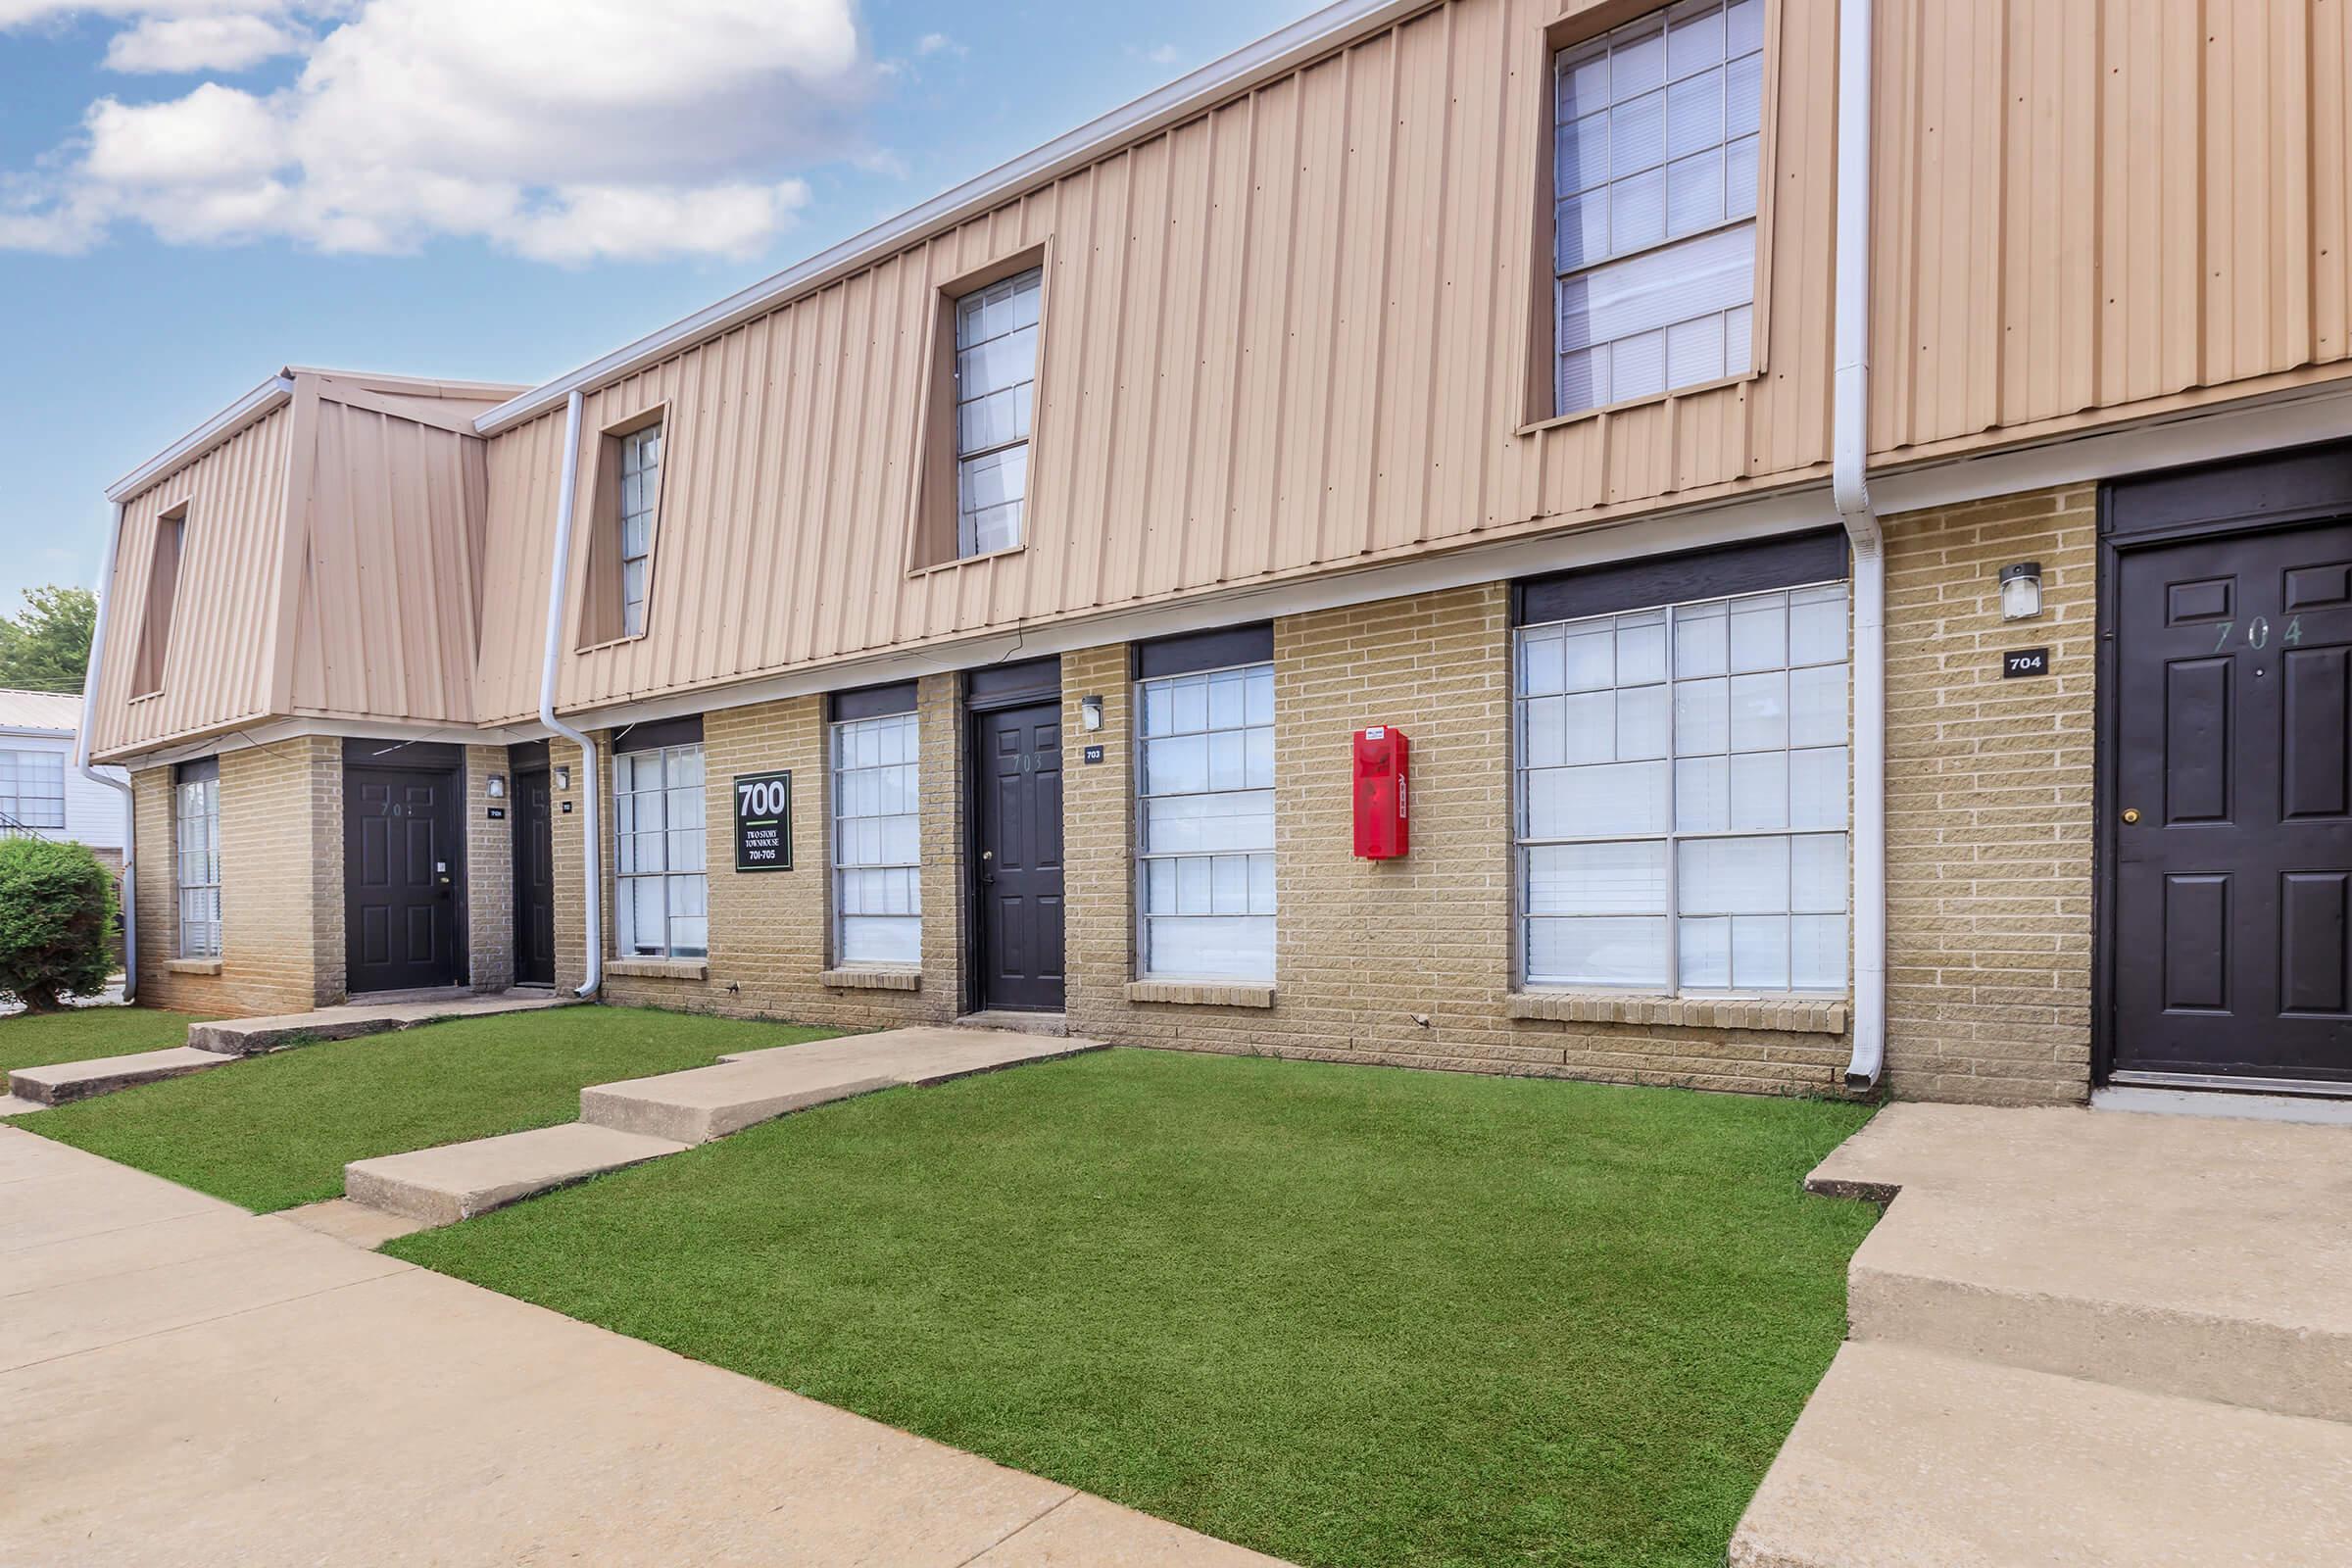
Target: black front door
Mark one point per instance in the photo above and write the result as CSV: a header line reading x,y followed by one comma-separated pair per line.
x,y
1016,852
534,881
2232,804
400,878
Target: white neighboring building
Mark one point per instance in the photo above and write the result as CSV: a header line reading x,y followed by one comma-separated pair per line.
x,y
41,795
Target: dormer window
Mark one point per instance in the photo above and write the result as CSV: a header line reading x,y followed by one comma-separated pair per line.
x,y
626,518
996,385
1657,141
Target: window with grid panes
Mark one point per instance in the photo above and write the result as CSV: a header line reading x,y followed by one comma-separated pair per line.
x,y
1657,137
877,842
660,889
996,388
1682,795
1205,823
196,847
640,489
32,788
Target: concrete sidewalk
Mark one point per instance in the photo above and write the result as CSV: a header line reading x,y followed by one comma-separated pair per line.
x,y
183,1383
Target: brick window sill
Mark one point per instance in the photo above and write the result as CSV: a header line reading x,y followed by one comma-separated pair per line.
x,y
857,979
191,967
1825,1015
657,968
1200,994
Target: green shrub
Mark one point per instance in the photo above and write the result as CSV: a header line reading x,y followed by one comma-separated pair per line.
x,y
57,922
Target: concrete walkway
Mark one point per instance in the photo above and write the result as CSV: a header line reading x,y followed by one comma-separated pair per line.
x,y
182,1383
2080,1337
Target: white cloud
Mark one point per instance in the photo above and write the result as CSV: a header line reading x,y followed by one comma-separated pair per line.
x,y
561,130
200,43
932,43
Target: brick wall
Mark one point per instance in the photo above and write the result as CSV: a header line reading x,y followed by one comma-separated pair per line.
x,y
1988,808
489,871
770,931
282,856
1405,962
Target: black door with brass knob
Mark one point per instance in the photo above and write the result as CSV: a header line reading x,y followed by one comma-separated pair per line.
x,y
1016,831
2232,909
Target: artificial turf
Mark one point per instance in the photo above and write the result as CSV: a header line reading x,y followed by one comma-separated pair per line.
x,y
274,1131
81,1034
1345,1315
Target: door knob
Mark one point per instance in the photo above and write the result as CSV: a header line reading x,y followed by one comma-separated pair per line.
x,y
2130,814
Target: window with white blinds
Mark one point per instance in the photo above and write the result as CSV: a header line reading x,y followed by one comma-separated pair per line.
x,y
1682,795
660,883
1206,824
32,788
640,489
996,394
1657,137
877,842
196,836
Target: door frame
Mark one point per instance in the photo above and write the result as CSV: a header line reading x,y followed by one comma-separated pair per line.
x,y
414,756
2271,492
993,690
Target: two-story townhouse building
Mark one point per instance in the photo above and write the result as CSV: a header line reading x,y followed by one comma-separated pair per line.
x,y
1844,498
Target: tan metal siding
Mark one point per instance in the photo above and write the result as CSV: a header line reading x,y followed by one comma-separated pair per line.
x,y
1287,335
391,605
2157,208
217,665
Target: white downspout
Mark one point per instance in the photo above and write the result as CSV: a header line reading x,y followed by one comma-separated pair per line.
x,y
81,762
559,574
1849,490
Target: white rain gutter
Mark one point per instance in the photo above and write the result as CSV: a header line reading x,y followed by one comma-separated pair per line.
x,y
81,763
1849,492
558,579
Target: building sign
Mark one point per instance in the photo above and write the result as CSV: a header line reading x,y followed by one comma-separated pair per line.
x,y
2026,661
764,821
1094,754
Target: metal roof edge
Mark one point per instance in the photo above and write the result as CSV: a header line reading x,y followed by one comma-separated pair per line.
x,y
1284,50
212,432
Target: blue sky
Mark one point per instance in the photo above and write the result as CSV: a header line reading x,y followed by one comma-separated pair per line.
x,y
194,192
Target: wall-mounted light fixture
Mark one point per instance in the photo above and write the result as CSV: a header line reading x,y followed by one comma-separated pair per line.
x,y
496,786
562,778
1090,714
2021,591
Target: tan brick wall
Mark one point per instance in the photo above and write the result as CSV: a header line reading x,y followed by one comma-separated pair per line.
x,y
1405,962
1989,805
489,871
282,859
770,931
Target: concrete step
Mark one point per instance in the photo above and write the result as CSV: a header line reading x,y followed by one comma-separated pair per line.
x,y
1052,1024
247,1037
751,1087
1909,1459
2207,1261
458,1181
64,1080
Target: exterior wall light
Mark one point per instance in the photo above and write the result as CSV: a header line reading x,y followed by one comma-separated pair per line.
x,y
496,785
2021,591
1090,714
562,778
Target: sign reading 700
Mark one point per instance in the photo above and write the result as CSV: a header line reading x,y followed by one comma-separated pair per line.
x,y
764,821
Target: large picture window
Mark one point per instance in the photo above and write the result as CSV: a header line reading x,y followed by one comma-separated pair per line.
x,y
661,891
877,842
1682,795
1656,142
1206,824
196,845
32,788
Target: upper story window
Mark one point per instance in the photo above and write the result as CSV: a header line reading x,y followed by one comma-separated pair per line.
x,y
660,881
625,517
640,484
996,394
163,594
196,842
1656,144
32,788
1682,795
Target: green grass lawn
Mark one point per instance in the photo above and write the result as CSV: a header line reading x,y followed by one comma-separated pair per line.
x,y
274,1131
39,1039
1345,1315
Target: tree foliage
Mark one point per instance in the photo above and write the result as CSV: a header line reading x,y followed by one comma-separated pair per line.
x,y
45,647
57,922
